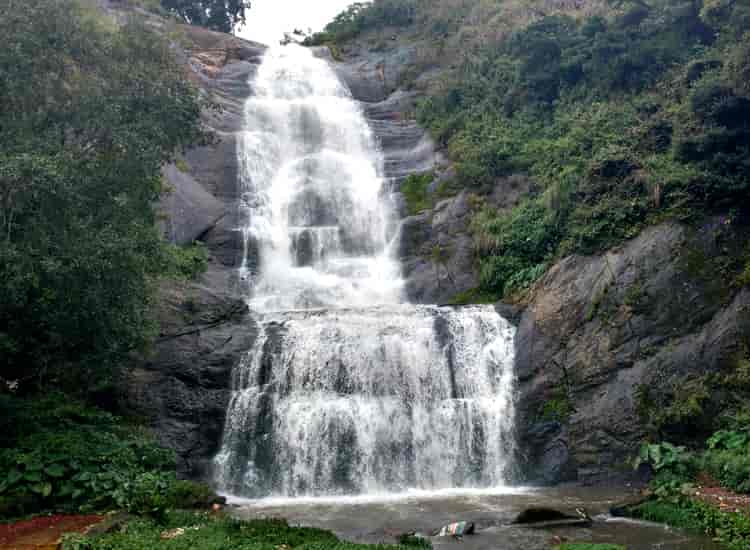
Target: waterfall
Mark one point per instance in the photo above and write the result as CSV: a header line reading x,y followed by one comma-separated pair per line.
x,y
348,390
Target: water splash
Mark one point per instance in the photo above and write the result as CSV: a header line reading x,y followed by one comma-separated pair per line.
x,y
348,390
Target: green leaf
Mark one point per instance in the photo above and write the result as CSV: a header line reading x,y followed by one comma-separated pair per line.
x,y
67,489
13,477
44,489
32,476
55,470
83,476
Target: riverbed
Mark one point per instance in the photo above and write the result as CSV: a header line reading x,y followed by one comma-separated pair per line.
x,y
381,518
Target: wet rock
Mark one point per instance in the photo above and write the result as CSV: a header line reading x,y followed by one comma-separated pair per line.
x,y
183,388
510,312
545,518
188,209
437,253
302,249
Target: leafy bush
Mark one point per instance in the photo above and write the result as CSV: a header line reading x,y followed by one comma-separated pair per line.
x,y
187,262
665,457
728,459
361,16
726,527
146,494
414,189
66,456
731,468
621,122
514,247
187,495
220,15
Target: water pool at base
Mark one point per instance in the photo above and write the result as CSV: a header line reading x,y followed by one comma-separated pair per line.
x,y
381,518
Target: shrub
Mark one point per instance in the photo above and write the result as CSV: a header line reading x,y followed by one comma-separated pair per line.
x,y
415,191
65,456
665,457
219,533
187,262
729,528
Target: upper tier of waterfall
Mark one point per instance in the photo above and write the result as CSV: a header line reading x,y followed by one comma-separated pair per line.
x,y
348,390
317,219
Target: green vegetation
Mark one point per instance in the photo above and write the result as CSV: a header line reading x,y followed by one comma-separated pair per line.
x,y
219,15
697,406
624,121
630,117
558,407
415,192
731,529
613,118
725,458
58,454
589,546
360,16
189,531
91,112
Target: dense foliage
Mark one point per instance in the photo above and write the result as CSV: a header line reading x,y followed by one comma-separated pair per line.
x,y
624,121
90,112
58,454
415,192
676,468
189,531
219,15
364,15
731,529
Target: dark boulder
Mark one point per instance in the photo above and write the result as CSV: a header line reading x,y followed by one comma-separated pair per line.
x,y
543,518
183,388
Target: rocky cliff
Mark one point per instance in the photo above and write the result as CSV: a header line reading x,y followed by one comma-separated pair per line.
x,y
602,335
600,338
594,333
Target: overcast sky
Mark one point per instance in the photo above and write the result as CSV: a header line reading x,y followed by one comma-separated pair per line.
x,y
267,20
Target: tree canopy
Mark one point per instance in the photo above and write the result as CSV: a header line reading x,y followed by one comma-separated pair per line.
x,y
89,114
219,15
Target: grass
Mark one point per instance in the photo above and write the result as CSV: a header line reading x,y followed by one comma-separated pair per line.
x,y
731,529
207,532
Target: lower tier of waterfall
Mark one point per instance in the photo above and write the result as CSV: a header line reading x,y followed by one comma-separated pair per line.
x,y
382,399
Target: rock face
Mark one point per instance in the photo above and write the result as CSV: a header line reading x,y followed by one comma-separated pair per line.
x,y
434,247
437,252
598,330
182,389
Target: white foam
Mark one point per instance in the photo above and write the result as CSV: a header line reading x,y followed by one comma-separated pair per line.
x,y
409,495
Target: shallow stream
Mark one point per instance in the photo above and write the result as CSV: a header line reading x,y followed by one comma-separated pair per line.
x,y
375,519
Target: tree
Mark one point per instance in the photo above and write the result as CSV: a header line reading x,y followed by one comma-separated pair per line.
x,y
219,15
90,112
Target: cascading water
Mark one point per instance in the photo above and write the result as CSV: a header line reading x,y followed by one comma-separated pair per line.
x,y
348,390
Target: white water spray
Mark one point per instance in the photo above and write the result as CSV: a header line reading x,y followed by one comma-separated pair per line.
x,y
347,390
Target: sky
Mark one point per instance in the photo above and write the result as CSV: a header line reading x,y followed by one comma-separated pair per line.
x,y
268,20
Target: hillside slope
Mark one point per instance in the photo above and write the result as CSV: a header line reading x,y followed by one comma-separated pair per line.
x,y
592,171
